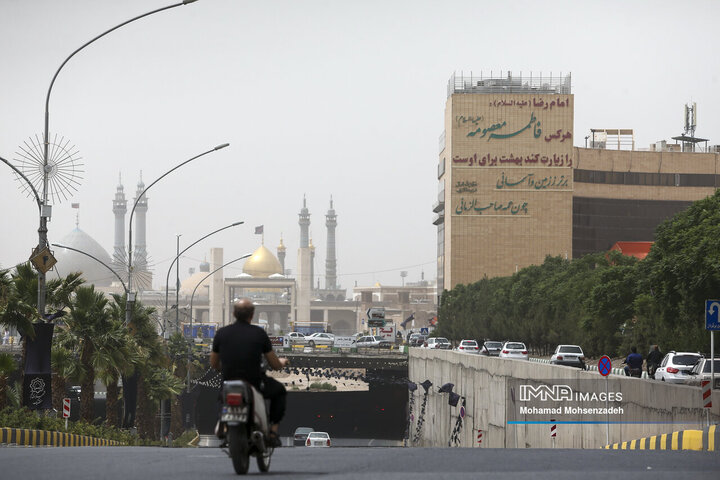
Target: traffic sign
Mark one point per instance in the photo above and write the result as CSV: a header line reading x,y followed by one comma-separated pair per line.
x,y
604,366
66,408
376,313
712,314
424,331
43,260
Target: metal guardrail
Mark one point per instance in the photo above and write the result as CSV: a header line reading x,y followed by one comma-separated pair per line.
x,y
588,367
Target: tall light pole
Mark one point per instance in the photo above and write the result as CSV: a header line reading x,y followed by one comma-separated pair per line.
x,y
190,343
131,295
45,209
177,259
177,285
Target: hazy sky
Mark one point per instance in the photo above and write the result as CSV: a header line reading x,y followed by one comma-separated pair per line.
x,y
316,98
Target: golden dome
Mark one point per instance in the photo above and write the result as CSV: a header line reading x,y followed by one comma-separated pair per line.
x,y
281,247
262,263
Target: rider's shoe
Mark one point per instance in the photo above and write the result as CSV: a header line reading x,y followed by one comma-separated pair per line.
x,y
273,440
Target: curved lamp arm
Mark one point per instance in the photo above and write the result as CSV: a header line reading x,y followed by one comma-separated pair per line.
x,y
37,197
142,194
189,352
97,260
167,277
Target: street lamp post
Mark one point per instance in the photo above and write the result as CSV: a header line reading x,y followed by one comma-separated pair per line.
x,y
190,343
131,295
177,285
45,209
177,259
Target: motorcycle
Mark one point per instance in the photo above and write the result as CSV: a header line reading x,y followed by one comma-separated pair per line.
x,y
651,369
632,372
244,420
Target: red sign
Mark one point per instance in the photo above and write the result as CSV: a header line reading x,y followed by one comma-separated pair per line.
x,y
706,393
479,436
604,366
66,408
553,428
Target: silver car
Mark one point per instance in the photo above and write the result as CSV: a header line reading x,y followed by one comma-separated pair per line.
x,y
320,339
701,372
516,350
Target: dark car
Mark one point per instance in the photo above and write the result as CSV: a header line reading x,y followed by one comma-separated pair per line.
x,y
301,434
491,349
417,339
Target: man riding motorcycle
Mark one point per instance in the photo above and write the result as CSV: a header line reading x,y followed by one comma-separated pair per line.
x,y
653,360
633,363
237,352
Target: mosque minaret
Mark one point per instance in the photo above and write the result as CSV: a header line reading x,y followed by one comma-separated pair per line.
x,y
119,209
281,254
140,256
304,266
330,260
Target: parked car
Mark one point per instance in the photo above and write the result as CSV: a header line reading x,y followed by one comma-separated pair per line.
x,y
320,339
373,341
318,439
301,434
491,349
701,372
468,346
440,343
417,339
296,338
514,350
569,355
676,366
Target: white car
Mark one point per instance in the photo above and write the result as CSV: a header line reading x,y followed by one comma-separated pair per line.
x,y
317,439
296,338
701,372
676,366
468,346
320,339
568,355
516,350
440,343
370,341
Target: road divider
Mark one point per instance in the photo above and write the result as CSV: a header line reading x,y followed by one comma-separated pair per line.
x,y
38,438
707,440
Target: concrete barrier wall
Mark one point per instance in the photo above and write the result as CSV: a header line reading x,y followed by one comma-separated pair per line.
x,y
35,438
483,381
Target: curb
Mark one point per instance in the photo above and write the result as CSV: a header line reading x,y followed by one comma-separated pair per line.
x,y
36,438
707,439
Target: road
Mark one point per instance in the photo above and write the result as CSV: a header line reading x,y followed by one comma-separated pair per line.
x,y
138,463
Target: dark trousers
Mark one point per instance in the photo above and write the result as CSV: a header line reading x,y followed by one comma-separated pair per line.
x,y
274,391
271,390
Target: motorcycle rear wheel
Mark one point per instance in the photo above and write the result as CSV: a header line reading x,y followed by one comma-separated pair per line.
x,y
239,450
263,459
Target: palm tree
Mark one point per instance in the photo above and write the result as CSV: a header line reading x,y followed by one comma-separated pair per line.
x,y
87,329
7,366
64,367
118,355
18,300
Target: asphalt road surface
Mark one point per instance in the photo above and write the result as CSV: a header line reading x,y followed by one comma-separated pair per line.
x,y
136,463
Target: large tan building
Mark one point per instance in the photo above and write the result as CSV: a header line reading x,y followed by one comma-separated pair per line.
x,y
513,189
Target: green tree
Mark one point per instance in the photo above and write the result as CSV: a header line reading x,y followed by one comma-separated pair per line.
x,y
681,271
88,328
7,366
